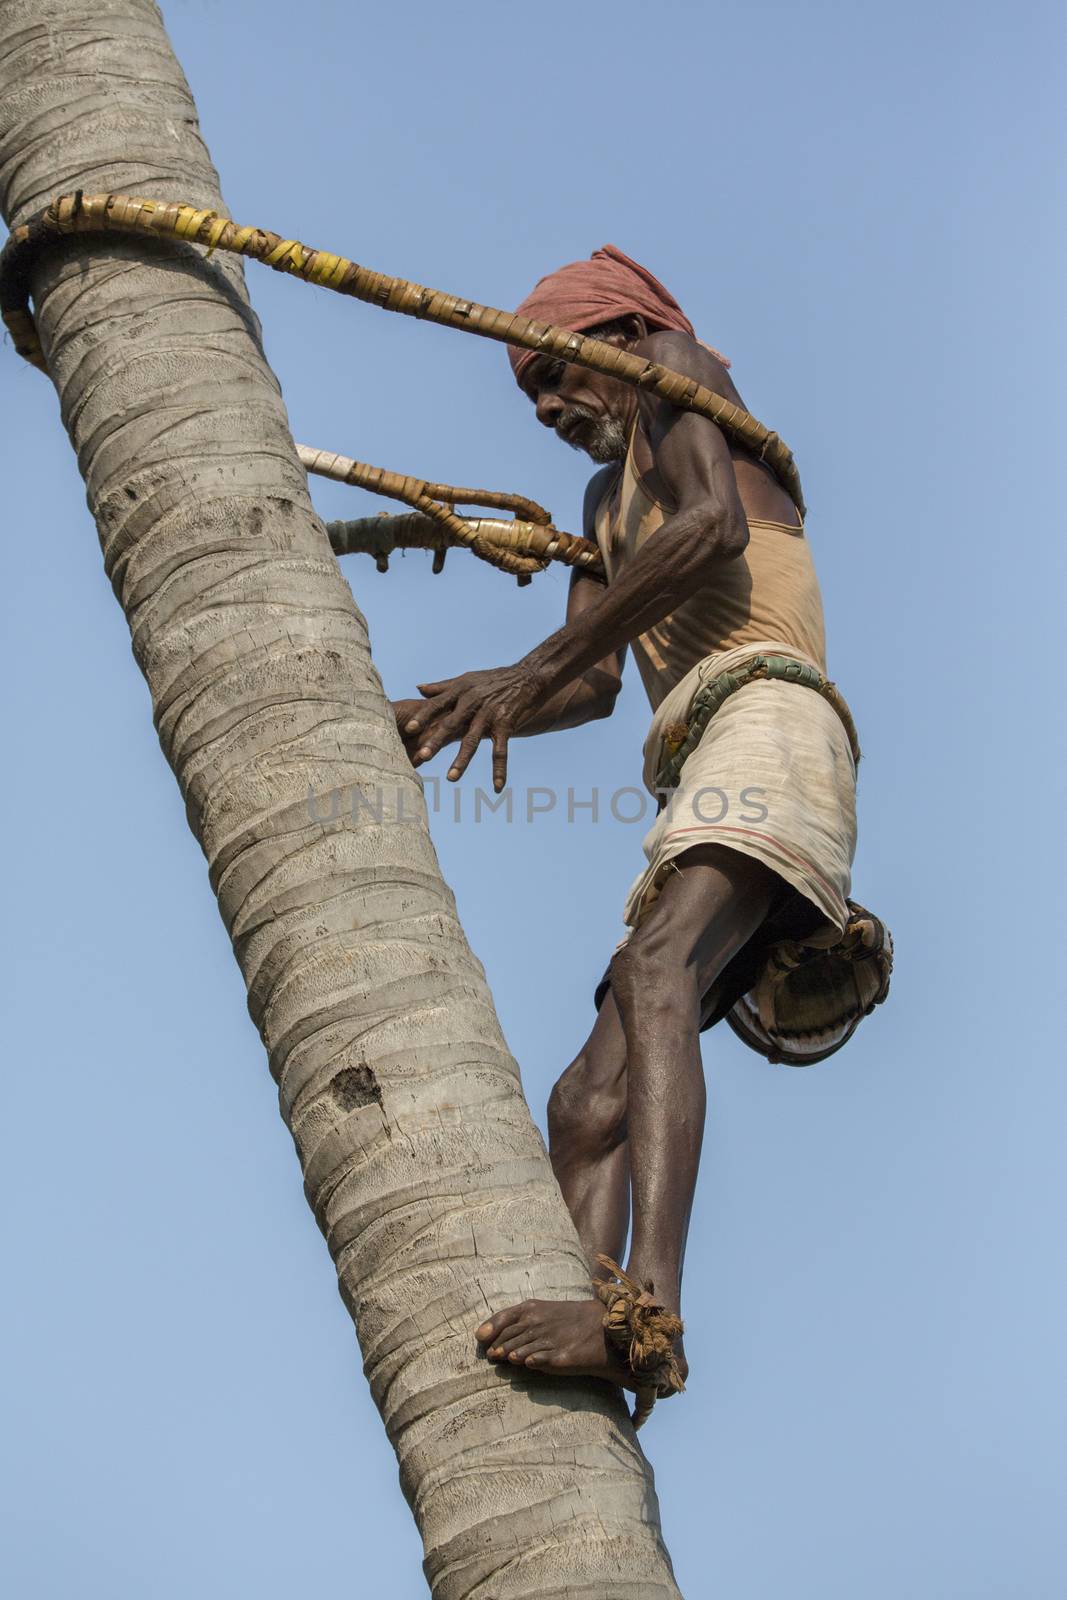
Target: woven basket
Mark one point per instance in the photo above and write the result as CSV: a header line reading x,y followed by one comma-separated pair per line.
x,y
809,999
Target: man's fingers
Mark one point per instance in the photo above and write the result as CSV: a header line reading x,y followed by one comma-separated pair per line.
x,y
455,709
500,758
416,717
404,710
442,729
479,730
472,739
424,711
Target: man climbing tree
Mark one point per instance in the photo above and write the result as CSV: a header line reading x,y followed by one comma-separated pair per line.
x,y
708,575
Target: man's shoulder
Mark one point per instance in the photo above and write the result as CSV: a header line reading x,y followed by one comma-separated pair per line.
x,y
670,347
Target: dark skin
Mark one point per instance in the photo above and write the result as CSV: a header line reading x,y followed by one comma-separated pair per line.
x,y
626,1118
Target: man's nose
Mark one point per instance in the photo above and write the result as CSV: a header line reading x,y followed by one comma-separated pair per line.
x,y
549,409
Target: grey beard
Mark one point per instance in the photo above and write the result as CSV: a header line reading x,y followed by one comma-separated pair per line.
x,y
602,438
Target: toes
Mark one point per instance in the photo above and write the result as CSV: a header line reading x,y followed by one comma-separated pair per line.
x,y
499,1350
538,1357
520,1348
490,1331
519,1333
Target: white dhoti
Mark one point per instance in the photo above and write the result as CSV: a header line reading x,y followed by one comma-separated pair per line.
x,y
773,776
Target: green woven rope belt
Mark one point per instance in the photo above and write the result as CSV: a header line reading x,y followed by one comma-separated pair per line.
x,y
681,739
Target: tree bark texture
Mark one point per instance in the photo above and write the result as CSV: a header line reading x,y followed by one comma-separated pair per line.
x,y
419,1155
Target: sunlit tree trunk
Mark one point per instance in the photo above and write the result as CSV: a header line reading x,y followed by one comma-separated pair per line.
x,y
420,1159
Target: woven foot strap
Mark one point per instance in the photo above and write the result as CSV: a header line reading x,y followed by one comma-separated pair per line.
x,y
642,1332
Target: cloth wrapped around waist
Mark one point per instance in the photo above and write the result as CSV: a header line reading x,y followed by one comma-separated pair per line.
x,y
773,775
672,715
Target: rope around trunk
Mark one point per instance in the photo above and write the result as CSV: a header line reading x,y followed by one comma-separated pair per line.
x,y
379,536
103,213
512,548
522,547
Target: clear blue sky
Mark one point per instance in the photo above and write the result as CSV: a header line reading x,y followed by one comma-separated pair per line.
x,y
864,206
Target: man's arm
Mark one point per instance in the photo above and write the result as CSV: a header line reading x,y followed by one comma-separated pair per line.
x,y
593,694
691,458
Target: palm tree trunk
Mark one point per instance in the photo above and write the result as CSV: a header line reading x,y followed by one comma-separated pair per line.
x,y
420,1160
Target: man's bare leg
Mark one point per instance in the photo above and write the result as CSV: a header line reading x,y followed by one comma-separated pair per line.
x,y
707,910
587,1139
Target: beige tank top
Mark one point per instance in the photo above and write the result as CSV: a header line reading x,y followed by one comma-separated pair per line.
x,y
770,594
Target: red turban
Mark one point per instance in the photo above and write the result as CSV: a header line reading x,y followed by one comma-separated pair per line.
x,y
584,294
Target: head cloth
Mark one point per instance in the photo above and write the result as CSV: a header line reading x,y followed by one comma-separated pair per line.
x,y
584,294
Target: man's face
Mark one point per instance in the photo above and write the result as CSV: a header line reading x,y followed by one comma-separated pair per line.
x,y
587,410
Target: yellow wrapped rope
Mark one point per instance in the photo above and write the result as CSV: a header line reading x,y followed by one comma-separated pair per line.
x,y
379,536
79,213
522,547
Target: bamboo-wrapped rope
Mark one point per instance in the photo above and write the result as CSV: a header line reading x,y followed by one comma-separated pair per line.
x,y
522,547
463,530
490,500
78,213
380,536
398,486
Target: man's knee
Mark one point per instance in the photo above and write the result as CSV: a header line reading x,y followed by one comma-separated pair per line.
x,y
651,970
586,1113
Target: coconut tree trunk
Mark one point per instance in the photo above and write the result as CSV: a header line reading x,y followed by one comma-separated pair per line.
x,y
420,1159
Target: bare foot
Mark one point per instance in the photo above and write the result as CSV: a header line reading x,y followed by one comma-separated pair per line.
x,y
561,1337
